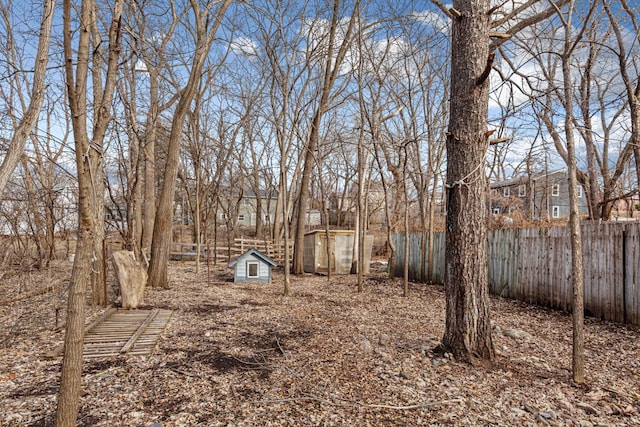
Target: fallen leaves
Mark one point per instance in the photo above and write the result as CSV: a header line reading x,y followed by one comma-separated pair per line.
x,y
243,355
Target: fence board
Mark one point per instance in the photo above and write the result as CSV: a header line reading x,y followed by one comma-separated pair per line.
x,y
631,292
181,251
534,265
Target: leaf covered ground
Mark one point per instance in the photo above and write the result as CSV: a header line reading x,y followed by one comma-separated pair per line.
x,y
244,355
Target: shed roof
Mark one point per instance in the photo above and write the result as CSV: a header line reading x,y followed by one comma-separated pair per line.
x,y
256,253
346,232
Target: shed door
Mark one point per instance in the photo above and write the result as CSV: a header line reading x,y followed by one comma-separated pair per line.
x,y
344,252
321,253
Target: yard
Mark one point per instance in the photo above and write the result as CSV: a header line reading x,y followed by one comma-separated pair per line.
x,y
243,355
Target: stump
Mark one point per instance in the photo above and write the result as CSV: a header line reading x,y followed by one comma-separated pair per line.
x,y
132,277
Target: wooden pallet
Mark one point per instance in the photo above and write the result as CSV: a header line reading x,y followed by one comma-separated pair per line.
x,y
120,332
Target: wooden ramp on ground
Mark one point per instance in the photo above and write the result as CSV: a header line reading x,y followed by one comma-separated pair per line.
x,y
120,332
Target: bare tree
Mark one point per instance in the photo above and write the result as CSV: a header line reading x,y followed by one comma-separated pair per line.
x,y
289,79
31,108
334,50
89,164
577,283
206,21
468,328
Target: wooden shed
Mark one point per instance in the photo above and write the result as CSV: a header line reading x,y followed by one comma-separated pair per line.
x,y
316,259
252,266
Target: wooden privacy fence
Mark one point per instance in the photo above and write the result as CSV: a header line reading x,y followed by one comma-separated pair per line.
x,y
223,254
534,265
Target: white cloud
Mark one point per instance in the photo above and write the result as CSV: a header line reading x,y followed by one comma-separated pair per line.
x,y
244,46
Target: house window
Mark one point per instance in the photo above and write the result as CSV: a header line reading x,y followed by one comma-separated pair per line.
x,y
579,191
241,217
494,192
495,211
266,218
506,192
555,211
223,216
522,190
247,202
555,190
253,269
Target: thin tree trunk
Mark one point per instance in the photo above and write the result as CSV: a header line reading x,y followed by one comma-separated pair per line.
x,y
432,216
162,230
28,121
90,199
574,213
149,209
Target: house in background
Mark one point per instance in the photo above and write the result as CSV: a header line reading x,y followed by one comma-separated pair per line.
x,y
343,206
252,266
543,196
243,208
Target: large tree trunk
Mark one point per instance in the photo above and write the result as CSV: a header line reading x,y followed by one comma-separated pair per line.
x,y
468,328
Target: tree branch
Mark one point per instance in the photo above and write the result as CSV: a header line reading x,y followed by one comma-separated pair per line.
x,y
487,69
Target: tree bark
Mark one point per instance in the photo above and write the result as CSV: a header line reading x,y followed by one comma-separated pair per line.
x,y
468,328
331,69
19,139
90,197
162,229
574,214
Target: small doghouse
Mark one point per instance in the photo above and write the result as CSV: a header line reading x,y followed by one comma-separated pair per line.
x,y
252,266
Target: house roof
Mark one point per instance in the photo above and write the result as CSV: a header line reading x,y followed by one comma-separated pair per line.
x,y
250,194
256,253
523,179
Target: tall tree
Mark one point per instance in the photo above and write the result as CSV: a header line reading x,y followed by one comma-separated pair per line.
x,y
571,40
88,150
468,328
152,46
335,48
207,20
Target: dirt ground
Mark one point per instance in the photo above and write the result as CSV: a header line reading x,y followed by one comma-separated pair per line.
x,y
243,355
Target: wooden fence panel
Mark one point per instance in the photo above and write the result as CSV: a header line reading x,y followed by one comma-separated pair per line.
x,y
181,251
617,261
502,265
631,293
415,256
534,265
